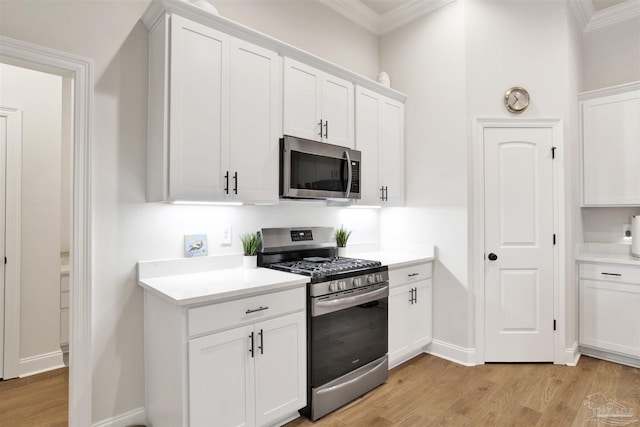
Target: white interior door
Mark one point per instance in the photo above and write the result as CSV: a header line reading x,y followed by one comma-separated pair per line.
x,y
519,239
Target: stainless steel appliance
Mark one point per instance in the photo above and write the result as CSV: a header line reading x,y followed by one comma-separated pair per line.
x,y
315,170
347,315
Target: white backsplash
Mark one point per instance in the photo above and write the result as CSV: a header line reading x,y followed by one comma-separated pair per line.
x,y
604,225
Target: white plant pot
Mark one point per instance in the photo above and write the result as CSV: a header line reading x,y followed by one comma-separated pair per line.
x,y
250,261
342,251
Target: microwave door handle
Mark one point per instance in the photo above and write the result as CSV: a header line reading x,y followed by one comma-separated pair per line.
x,y
350,174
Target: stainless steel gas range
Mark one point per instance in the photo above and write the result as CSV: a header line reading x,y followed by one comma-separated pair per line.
x,y
347,314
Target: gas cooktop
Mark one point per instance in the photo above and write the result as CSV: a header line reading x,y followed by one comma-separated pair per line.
x,y
317,267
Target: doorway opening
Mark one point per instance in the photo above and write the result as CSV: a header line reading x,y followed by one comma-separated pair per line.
x,y
80,71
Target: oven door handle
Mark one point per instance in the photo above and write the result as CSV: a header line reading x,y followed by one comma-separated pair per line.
x,y
323,307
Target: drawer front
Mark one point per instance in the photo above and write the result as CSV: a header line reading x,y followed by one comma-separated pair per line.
x,y
611,273
410,274
227,314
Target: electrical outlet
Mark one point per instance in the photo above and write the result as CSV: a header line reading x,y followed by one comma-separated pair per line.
x,y
226,236
626,230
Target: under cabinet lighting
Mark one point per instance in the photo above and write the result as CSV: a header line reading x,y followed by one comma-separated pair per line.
x,y
365,207
189,202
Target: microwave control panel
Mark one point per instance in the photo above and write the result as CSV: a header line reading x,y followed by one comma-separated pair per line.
x,y
355,180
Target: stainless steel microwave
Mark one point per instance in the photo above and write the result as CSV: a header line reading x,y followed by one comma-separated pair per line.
x,y
315,170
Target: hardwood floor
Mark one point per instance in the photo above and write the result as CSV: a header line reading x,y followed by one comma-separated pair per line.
x,y
36,401
428,391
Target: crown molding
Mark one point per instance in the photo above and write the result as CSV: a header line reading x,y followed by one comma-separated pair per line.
x,y
614,15
380,24
590,20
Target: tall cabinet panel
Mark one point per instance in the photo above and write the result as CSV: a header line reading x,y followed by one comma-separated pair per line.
x,y
199,94
380,138
254,132
610,148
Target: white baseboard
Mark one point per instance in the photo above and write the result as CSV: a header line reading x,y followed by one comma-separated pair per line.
x,y
463,356
41,363
132,417
572,355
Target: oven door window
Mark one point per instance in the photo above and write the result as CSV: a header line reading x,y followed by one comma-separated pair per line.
x,y
347,339
314,172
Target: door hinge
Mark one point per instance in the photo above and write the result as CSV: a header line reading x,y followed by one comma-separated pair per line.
x,y
5,260
553,152
554,239
554,324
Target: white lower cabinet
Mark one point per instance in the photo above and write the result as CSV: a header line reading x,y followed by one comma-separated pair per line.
x,y
235,363
410,312
610,312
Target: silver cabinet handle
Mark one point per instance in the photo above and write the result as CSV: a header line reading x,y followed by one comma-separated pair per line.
x,y
254,310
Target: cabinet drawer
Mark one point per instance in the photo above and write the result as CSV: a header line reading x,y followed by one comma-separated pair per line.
x,y
213,317
611,273
410,274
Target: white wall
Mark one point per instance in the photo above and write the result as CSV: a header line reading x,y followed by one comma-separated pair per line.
x,y
310,26
39,96
612,55
125,228
455,64
426,60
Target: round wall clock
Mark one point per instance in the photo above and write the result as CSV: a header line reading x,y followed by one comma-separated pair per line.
x,y
516,100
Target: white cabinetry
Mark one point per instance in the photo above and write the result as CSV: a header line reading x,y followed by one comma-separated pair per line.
x,y
610,148
317,105
610,312
240,362
410,312
213,115
380,138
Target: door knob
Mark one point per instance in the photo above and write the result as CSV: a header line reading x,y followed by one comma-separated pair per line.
x,y
493,257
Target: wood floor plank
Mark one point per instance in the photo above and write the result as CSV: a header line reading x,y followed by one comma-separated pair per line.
x,y
428,391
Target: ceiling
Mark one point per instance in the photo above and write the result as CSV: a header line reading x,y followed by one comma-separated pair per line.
x,y
382,16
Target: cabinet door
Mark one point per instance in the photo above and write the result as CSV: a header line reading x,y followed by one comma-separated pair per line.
x,y
391,152
399,326
280,367
420,318
367,135
338,111
199,97
221,373
302,103
611,152
255,116
610,316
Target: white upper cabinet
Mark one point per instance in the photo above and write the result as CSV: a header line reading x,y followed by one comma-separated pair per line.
x,y
199,95
317,105
611,146
380,138
214,114
255,122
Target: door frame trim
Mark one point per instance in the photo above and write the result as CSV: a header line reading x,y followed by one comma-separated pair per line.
x,y
476,222
13,207
28,55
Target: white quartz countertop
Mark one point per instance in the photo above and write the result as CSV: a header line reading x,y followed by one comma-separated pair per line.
x,y
394,259
607,253
219,285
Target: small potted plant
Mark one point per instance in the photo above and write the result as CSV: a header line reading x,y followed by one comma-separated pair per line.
x,y
250,243
342,235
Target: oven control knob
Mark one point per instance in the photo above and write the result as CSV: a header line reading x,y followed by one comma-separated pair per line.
x,y
333,286
342,285
357,282
370,279
378,277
